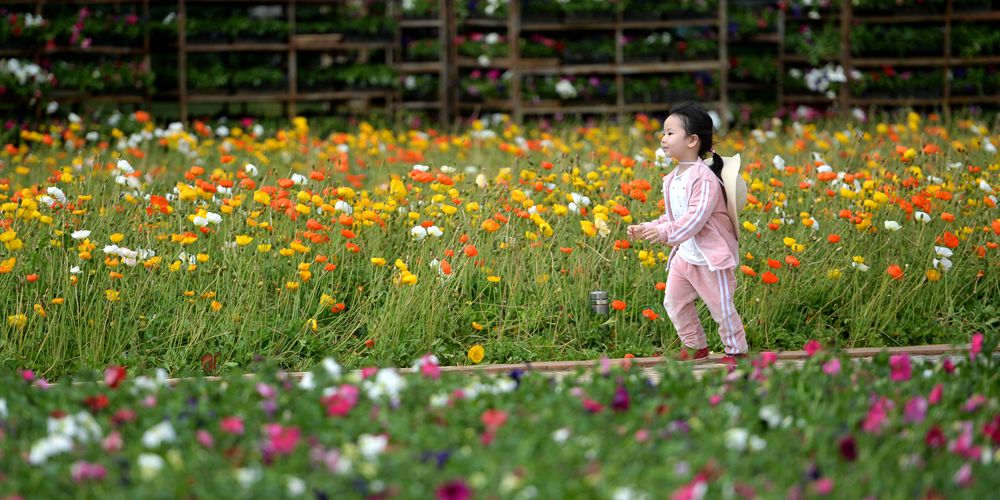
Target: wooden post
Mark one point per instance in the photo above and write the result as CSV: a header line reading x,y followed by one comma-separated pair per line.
x,y
293,65
846,18
514,39
946,91
723,66
182,96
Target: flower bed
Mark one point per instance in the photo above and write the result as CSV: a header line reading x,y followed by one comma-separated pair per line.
x,y
834,427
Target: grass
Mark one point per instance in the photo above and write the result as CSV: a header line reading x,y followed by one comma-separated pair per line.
x,y
239,302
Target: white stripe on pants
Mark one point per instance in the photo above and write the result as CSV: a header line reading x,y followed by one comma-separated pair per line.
x,y
685,283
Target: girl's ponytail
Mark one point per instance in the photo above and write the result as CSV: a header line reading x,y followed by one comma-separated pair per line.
x,y
716,165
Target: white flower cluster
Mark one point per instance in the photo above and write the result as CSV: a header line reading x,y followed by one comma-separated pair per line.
x,y
61,433
821,80
565,89
26,72
492,6
386,384
579,200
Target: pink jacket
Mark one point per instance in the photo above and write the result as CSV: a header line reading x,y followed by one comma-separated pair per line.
x,y
706,220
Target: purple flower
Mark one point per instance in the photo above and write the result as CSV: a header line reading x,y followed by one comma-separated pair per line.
x,y
915,410
620,402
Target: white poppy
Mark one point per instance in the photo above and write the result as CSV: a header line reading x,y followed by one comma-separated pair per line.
x,y
81,234
921,216
250,169
891,225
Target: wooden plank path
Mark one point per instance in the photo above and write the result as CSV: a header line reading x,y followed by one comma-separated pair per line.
x,y
785,360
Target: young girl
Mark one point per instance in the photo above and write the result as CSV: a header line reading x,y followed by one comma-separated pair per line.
x,y
697,225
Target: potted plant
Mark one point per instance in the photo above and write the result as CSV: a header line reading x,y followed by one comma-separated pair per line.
x,y
695,47
745,23
896,40
419,9
596,50
540,90
577,11
259,78
24,80
541,47
481,86
817,45
481,9
645,48
367,76
687,9
427,49
541,11
969,40
424,87
753,67
643,89
491,45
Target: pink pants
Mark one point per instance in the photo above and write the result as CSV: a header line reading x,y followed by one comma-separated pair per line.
x,y
685,283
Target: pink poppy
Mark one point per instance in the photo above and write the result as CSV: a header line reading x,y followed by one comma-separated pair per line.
x,y
900,366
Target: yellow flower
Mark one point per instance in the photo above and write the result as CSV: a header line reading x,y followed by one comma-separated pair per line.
x,y
117,237
408,278
263,248
39,310
58,301
202,257
493,279
243,240
933,275
112,295
833,274
17,321
477,326
216,305
378,261
476,353
292,285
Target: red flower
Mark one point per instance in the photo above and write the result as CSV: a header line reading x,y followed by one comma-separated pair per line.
x,y
493,419
769,278
649,314
114,375
895,272
848,448
96,403
617,305
454,490
935,437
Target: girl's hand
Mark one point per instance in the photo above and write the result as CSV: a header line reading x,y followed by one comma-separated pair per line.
x,y
648,233
631,231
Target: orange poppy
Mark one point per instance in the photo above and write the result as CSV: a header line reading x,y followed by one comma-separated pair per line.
x,y
618,305
650,314
769,278
895,272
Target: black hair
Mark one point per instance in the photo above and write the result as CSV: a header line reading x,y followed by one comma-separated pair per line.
x,y
698,122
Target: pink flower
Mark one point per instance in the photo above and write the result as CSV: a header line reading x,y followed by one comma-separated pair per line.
x,y
900,366
281,440
963,476
232,425
715,399
28,375
915,409
266,391
812,347
694,490
368,371
642,435
82,471
341,402
962,445
974,402
977,345
823,486
767,358
112,442
935,395
875,421
204,438
832,367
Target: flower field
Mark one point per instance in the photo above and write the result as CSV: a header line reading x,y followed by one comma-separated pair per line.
x,y
151,245
886,427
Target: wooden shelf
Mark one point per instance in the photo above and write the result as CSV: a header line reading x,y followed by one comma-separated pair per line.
x,y
677,23
974,99
914,18
420,67
896,101
870,62
420,23
961,61
345,95
237,47
484,23
238,97
416,105
468,62
808,99
624,69
105,98
797,58
976,16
